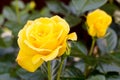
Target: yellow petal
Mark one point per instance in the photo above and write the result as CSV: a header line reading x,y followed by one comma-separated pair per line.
x,y
33,48
72,36
92,32
52,55
36,59
63,48
25,61
98,22
62,22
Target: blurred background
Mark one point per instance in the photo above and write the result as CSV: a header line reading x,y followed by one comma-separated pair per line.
x,y
15,13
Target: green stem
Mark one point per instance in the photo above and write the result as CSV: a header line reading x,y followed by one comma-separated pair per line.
x,y
88,67
17,12
49,70
92,47
60,69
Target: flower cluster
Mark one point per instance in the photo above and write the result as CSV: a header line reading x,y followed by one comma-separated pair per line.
x,y
45,39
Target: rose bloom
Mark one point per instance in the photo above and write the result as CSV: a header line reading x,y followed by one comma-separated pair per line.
x,y
32,5
41,40
98,22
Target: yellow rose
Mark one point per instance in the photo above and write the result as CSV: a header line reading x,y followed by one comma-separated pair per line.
x,y
32,5
41,40
98,22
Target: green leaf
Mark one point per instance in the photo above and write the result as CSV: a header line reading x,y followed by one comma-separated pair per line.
x,y
14,27
1,19
114,78
112,59
57,7
54,68
25,75
6,76
72,73
82,6
104,68
78,49
6,50
109,8
9,14
116,58
4,68
80,65
97,77
18,3
105,58
72,20
6,41
89,60
24,17
34,15
108,43
45,12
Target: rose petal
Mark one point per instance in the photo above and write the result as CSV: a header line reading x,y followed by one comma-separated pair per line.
x,y
52,55
72,36
36,49
63,48
98,22
25,61
36,59
59,20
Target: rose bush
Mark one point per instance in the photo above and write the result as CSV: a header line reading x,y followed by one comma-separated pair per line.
x,y
98,22
41,40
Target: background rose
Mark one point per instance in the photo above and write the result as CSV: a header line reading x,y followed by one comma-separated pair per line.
x,y
98,22
41,40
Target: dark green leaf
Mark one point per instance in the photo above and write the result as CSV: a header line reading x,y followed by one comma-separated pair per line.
x,y
106,58
80,65
24,17
72,73
6,41
114,78
25,75
57,7
4,68
113,58
6,50
109,8
116,58
82,6
6,76
45,12
72,20
104,68
14,27
108,43
97,77
34,15
78,49
9,14
54,68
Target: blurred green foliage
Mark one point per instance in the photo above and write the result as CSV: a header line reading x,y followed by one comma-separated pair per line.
x,y
105,64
